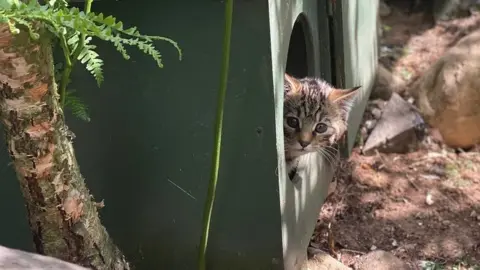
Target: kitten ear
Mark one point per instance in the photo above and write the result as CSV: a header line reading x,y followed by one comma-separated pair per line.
x,y
343,95
293,83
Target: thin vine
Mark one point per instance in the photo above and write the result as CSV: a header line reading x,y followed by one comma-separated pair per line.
x,y
207,214
74,30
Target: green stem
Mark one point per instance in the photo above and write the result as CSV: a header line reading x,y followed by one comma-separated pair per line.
x,y
66,71
207,214
70,61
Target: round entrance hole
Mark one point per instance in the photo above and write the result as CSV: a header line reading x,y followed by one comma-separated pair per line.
x,y
300,55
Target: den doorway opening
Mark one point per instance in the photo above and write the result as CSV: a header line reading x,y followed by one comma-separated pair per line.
x,y
300,58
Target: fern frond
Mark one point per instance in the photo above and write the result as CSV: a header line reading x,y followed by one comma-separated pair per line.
x,y
76,106
58,3
75,29
68,20
133,32
33,34
73,41
92,60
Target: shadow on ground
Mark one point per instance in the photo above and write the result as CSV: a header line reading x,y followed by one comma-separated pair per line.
x,y
420,206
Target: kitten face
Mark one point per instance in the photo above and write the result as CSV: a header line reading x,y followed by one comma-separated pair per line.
x,y
314,115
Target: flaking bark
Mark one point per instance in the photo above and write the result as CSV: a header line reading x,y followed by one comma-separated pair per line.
x,y
61,212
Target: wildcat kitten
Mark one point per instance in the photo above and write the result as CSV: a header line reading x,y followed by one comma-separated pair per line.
x,y
314,117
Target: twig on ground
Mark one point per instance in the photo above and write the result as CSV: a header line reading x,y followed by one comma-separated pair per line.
x,y
385,163
411,182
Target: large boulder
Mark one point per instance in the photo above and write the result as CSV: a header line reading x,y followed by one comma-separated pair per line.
x,y
448,94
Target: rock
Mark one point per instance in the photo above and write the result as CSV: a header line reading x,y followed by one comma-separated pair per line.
x,y
370,124
381,260
429,199
377,113
396,131
14,259
448,94
322,261
378,103
383,9
363,135
437,170
385,84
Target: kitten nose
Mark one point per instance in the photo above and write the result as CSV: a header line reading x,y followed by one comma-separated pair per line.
x,y
303,143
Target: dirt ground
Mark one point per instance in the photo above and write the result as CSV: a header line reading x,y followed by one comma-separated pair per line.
x,y
423,206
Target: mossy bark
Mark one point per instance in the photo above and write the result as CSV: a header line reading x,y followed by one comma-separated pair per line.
x,y
62,214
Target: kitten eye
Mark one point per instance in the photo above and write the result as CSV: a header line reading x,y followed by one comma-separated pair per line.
x,y
321,128
292,122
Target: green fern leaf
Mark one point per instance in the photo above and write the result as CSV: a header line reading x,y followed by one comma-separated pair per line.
x,y
76,106
33,34
69,26
91,60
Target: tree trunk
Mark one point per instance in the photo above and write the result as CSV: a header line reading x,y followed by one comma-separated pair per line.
x,y
62,214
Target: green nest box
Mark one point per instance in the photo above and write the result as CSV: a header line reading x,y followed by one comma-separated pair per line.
x,y
147,151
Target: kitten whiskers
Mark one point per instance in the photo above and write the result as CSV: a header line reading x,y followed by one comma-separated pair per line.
x,y
330,154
